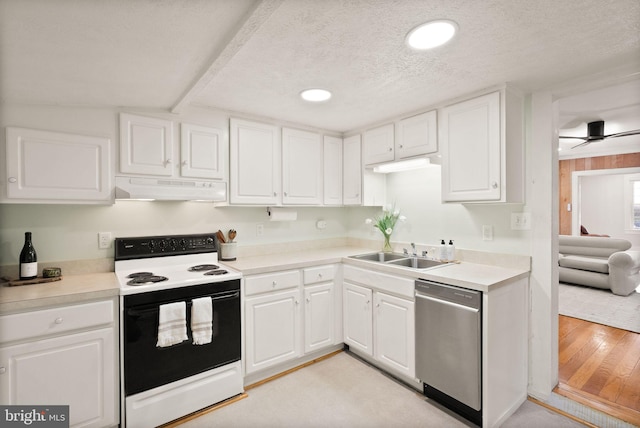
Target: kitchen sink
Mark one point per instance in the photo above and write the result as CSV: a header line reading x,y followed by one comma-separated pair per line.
x,y
399,259
380,257
417,263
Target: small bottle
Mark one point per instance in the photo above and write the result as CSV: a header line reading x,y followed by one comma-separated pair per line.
x,y
443,251
28,259
451,251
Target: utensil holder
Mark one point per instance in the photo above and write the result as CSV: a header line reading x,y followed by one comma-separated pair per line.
x,y
228,251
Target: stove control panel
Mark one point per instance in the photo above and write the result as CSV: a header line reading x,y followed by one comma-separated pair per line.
x,y
159,246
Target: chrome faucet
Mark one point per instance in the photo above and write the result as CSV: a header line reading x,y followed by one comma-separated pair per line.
x,y
413,247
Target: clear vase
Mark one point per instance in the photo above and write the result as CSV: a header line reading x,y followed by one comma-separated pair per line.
x,y
387,248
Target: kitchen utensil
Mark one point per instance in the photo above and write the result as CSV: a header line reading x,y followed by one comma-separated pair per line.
x,y
232,235
220,237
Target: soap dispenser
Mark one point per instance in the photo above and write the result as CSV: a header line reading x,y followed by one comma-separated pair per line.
x,y
443,251
451,251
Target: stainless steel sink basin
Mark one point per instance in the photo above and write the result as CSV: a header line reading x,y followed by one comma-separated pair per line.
x,y
379,257
399,259
417,263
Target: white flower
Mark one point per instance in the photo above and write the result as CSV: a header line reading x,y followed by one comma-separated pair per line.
x,y
402,218
388,231
396,213
368,221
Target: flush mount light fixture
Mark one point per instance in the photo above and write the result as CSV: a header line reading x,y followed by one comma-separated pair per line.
x,y
431,34
315,95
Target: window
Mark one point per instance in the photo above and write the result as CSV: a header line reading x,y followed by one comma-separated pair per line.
x,y
632,202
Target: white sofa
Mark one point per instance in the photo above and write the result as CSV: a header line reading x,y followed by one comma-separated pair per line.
x,y
599,262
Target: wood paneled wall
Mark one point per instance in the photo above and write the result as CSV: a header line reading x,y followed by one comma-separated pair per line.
x,y
567,167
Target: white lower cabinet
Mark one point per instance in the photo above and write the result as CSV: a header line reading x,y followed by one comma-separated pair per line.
x,y
278,326
63,356
272,323
394,333
377,323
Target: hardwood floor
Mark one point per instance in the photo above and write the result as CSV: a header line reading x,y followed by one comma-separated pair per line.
x,y
599,366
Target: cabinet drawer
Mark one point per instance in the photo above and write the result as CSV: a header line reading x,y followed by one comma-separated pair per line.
x,y
55,320
318,274
271,282
397,285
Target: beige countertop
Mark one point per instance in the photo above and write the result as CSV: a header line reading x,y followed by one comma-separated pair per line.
x,y
481,277
78,288
70,289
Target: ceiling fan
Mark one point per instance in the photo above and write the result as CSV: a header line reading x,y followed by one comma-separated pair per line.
x,y
595,132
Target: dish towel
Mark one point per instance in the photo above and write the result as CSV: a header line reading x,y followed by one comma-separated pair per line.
x,y
172,324
201,320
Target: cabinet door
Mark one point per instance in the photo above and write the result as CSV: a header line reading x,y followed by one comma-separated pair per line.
x,y
319,317
76,369
356,318
255,166
45,165
146,145
273,333
301,167
417,136
394,333
202,151
470,148
352,171
377,145
332,171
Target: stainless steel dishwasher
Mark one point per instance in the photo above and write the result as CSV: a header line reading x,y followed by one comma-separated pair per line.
x,y
449,346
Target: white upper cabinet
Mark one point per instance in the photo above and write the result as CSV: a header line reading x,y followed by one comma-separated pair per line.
x,y
146,145
417,135
202,152
255,166
378,145
301,167
147,148
352,171
55,167
332,171
481,143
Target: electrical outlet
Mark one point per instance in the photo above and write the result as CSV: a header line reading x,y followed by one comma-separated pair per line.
x,y
487,233
321,224
104,240
259,229
520,221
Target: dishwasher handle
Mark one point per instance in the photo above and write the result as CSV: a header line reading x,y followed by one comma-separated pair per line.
x,y
449,293
444,302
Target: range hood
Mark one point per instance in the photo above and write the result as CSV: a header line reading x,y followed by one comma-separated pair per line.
x,y
166,189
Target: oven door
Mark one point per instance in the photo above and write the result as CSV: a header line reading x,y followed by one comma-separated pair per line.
x,y
147,366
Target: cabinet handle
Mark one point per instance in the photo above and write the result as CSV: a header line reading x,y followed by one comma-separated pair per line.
x,y
13,180
167,162
494,185
319,276
285,193
275,194
184,163
401,145
58,320
390,149
274,283
308,300
297,303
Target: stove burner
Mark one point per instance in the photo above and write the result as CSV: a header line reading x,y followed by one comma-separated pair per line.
x,y
149,279
139,274
216,272
202,268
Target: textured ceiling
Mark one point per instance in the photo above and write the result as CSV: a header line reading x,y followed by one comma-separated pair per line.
x,y
255,57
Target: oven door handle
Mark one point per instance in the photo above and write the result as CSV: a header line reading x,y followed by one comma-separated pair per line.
x,y
154,307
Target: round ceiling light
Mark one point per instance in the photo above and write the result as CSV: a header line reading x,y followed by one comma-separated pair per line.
x,y
431,34
315,95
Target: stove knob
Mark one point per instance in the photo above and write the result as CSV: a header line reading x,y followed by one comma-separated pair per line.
x,y
152,244
183,244
209,241
174,244
163,245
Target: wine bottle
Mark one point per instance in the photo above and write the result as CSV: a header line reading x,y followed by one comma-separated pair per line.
x,y
28,259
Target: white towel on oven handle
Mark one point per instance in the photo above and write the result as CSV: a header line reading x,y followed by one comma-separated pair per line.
x,y
202,320
172,324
